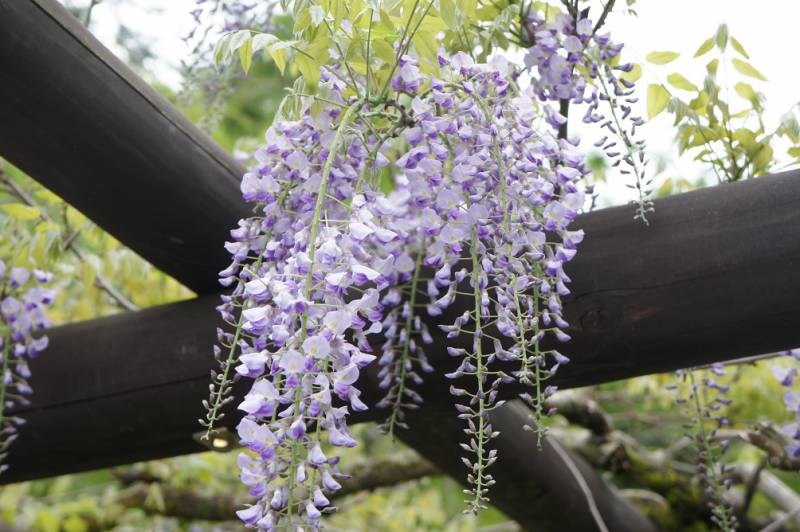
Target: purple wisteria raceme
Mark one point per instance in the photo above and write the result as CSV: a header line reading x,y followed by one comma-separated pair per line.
x,y
494,198
477,211
786,376
309,273
705,397
572,63
23,300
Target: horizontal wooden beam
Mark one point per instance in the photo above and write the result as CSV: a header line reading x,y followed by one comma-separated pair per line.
x,y
715,276
126,388
79,121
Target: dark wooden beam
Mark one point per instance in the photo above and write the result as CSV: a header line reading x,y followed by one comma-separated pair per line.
x,y
714,277
78,120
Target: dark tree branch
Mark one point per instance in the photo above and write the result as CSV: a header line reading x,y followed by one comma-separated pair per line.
x,y
602,20
155,495
770,440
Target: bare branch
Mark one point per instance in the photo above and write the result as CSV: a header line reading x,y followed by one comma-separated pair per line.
x,y
153,495
68,243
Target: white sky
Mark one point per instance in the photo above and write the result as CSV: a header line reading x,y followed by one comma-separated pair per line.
x,y
767,29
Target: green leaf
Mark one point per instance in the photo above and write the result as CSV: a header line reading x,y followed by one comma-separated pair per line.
x,y
262,41
21,212
762,160
317,15
634,75
426,45
308,69
238,39
721,38
746,91
278,54
222,50
707,45
794,152
680,82
738,47
447,10
386,21
712,67
246,55
747,69
662,58
657,100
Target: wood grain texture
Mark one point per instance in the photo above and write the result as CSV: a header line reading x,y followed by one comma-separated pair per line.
x,y
79,121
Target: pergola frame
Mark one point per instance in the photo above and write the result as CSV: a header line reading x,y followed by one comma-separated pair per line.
x,y
714,277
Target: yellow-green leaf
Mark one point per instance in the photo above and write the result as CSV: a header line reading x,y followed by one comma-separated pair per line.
x,y
302,21
21,212
707,45
383,50
634,75
747,69
712,67
662,58
679,82
721,37
447,10
317,15
246,55
738,47
222,50
278,53
745,90
657,100
762,159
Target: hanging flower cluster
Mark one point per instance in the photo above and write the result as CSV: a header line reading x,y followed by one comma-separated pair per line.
x,y
23,300
309,274
786,376
494,198
705,397
573,63
478,212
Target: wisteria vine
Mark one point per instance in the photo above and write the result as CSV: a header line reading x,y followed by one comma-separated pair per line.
x,y
378,212
704,396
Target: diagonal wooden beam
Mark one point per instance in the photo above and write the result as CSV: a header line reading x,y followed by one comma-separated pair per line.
x,y
78,120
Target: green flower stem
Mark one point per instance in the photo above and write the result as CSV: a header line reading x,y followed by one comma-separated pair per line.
x,y
710,462
475,504
641,210
218,398
404,357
